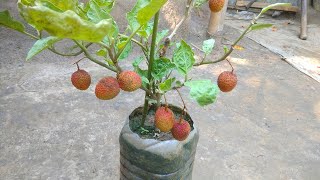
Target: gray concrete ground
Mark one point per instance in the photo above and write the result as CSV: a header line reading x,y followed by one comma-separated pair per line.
x,y
267,128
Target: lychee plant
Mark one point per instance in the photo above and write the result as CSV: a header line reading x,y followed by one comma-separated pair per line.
x,y
91,23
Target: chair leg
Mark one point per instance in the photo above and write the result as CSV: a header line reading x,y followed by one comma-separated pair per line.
x,y
303,30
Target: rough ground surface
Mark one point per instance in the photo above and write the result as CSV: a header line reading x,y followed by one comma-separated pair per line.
x,y
267,128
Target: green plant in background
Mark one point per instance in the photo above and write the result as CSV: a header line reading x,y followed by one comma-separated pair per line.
x,y
87,24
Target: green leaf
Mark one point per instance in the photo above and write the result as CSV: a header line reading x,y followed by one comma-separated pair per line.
x,y
146,30
41,45
161,67
7,21
143,73
203,91
61,5
260,26
166,85
161,35
147,12
132,15
199,3
183,58
102,52
208,46
127,49
272,6
96,13
105,5
137,62
65,25
225,49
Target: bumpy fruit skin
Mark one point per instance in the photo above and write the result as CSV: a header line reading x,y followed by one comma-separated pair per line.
x,y
227,80
129,81
181,130
81,79
164,119
216,5
107,88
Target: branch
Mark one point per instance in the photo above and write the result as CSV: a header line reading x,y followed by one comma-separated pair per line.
x,y
186,15
73,54
231,49
189,7
135,41
86,52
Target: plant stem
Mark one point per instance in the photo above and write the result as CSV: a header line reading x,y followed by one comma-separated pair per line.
x,y
230,50
150,66
135,41
128,40
186,15
86,52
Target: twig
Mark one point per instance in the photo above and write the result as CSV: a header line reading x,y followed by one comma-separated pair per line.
x,y
197,47
230,64
183,113
88,55
77,61
165,100
186,15
231,49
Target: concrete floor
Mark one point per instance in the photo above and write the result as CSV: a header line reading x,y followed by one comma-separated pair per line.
x,y
267,128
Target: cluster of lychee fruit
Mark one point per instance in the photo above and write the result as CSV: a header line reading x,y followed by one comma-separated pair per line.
x,y
107,87
165,122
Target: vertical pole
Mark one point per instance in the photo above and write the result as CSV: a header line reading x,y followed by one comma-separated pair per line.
x,y
217,20
304,23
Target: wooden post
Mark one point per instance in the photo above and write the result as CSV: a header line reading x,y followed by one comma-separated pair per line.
x,y
303,30
217,20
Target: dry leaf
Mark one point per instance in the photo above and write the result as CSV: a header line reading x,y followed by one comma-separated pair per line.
x,y
274,28
237,47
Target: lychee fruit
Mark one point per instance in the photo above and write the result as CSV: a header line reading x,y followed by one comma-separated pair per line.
x,y
227,80
107,88
81,79
181,130
129,81
216,5
164,119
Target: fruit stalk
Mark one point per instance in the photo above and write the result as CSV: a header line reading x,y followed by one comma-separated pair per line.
x,y
150,66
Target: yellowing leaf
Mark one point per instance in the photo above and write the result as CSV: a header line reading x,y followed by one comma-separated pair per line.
x,y
66,24
237,47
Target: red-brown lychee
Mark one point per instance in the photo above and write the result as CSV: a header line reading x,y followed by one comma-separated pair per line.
x,y
181,130
164,119
81,79
129,81
227,80
107,88
216,5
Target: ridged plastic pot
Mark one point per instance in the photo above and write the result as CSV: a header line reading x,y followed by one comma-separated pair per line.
x,y
144,159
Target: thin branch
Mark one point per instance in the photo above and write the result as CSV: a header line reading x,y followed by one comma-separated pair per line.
x,y
30,35
183,113
230,64
197,47
186,15
52,49
231,49
77,61
89,56
135,41
128,40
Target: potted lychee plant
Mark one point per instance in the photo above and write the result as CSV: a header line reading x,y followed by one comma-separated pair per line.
x,y
158,140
